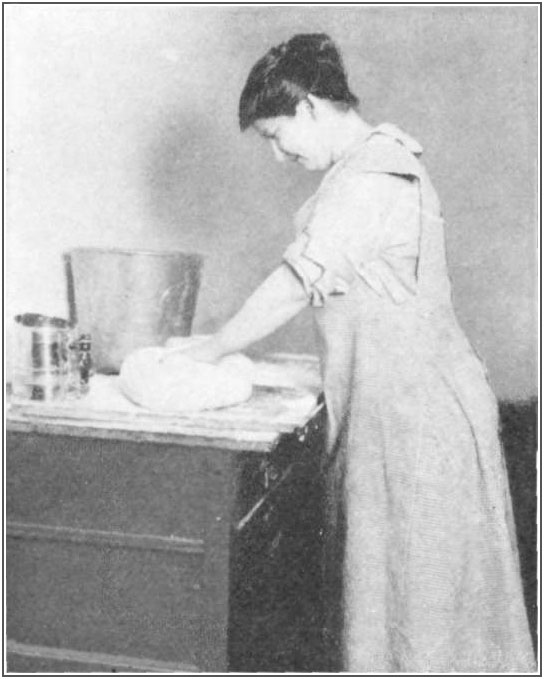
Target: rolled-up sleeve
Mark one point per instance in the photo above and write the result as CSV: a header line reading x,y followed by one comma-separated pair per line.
x,y
314,266
346,228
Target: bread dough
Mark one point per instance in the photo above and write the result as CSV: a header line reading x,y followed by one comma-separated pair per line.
x,y
160,380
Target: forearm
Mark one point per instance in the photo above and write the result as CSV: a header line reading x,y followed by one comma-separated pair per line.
x,y
279,298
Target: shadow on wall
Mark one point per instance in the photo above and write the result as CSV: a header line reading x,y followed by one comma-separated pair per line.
x,y
180,171
191,194
209,188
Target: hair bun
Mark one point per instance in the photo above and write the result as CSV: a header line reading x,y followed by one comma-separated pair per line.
x,y
313,46
279,51
308,63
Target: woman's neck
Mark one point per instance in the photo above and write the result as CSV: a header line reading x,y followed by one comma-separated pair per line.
x,y
345,129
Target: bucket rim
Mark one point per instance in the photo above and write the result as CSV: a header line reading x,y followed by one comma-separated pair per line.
x,y
137,251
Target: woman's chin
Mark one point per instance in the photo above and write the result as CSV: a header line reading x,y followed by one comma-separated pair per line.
x,y
313,165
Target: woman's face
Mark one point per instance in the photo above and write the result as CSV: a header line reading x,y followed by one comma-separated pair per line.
x,y
298,138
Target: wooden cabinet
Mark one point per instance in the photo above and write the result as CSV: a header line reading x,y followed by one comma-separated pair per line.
x,y
165,551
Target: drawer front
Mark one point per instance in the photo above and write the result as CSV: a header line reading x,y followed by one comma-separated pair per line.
x,y
90,597
32,659
127,487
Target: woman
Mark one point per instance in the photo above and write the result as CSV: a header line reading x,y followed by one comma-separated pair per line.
x,y
417,491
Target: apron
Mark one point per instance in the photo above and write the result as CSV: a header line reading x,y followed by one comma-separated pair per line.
x,y
420,565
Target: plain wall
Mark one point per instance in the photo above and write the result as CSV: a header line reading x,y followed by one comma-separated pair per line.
x,y
121,131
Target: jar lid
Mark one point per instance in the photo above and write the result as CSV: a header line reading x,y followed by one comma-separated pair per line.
x,y
41,321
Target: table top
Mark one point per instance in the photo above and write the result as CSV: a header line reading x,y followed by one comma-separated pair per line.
x,y
285,398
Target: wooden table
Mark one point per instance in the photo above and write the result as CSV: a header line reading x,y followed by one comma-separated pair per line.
x,y
138,542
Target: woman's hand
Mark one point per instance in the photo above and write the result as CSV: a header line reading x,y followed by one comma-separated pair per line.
x,y
278,299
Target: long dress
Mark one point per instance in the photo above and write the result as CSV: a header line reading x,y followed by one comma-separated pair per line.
x,y
420,531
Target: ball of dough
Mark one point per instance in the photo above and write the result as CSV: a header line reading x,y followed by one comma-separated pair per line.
x,y
160,380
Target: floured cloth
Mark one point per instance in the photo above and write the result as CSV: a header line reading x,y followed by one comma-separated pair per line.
x,y
159,379
421,561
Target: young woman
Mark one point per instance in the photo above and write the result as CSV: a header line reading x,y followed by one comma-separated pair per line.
x,y
419,511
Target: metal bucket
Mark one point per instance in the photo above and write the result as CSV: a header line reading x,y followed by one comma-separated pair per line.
x,y
127,299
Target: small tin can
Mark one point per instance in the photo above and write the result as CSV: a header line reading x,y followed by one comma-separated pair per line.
x,y
50,361
40,357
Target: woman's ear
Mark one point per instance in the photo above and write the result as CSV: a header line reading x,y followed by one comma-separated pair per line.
x,y
315,106
305,107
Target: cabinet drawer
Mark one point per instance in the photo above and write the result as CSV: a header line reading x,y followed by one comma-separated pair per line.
x,y
31,659
145,603
131,487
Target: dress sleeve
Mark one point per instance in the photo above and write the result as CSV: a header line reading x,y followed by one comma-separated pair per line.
x,y
360,224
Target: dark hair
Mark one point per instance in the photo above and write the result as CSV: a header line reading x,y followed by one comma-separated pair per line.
x,y
307,64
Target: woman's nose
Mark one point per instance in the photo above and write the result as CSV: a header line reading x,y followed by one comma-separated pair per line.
x,y
279,155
